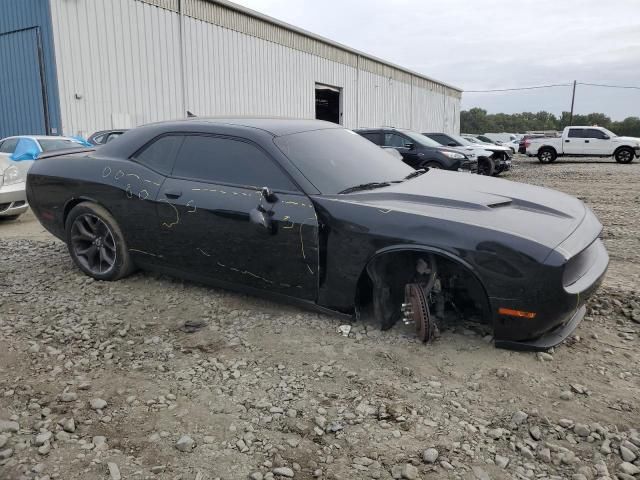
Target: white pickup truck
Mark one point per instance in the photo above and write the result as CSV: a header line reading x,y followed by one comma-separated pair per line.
x,y
584,142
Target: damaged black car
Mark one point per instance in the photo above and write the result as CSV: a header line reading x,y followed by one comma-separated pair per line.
x,y
311,213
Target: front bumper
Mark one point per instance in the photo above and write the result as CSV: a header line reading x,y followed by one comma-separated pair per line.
x,y
13,199
559,310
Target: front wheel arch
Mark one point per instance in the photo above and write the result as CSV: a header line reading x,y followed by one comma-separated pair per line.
x,y
365,282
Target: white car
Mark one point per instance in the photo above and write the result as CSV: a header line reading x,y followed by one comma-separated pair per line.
x,y
584,142
17,154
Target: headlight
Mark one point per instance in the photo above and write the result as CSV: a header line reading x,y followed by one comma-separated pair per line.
x,y
13,175
453,155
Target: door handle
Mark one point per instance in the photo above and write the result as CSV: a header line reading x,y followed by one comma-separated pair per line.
x,y
567,141
586,141
172,194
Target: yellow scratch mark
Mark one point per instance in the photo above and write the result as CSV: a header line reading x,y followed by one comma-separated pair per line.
x,y
140,195
133,175
204,253
152,183
304,256
195,189
106,172
288,219
177,221
128,190
191,203
245,272
384,211
119,174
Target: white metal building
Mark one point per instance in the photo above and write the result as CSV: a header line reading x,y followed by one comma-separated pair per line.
x,y
121,63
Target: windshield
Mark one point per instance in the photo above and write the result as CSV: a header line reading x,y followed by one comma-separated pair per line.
x,y
421,139
609,132
461,140
52,144
336,159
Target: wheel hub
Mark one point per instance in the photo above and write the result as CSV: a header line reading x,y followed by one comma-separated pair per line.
x,y
415,311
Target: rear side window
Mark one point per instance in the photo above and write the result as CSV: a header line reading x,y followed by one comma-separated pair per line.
x,y
8,146
160,154
229,161
576,133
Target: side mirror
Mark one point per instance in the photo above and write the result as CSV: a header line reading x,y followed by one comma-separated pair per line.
x,y
452,144
410,146
268,195
606,137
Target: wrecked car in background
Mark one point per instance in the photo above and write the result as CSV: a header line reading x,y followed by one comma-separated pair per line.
x,y
312,213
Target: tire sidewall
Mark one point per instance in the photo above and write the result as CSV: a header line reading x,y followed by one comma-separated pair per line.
x,y
123,263
547,150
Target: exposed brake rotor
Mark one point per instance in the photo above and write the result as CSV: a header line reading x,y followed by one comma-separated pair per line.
x,y
416,310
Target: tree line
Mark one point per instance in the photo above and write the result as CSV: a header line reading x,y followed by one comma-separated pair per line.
x,y
478,121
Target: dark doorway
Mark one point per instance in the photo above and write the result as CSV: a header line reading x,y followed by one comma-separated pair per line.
x,y
328,103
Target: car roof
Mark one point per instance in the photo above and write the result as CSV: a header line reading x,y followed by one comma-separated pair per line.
x,y
274,126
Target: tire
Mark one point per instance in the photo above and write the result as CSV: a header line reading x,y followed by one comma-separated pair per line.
x,y
486,166
434,165
624,155
547,155
96,243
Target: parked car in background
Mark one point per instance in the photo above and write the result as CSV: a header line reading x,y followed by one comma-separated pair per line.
x,y
16,156
501,137
29,147
310,212
105,136
492,159
585,142
419,151
13,197
522,144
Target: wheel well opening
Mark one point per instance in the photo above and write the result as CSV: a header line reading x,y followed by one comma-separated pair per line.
x,y
455,294
69,206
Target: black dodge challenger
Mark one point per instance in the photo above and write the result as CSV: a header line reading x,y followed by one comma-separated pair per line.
x,y
309,212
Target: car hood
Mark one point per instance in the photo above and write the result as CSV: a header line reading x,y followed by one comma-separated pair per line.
x,y
626,140
478,151
533,214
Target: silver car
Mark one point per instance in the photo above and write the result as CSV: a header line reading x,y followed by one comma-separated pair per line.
x,y
16,157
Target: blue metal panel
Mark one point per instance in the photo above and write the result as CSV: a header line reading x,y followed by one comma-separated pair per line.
x,y
29,99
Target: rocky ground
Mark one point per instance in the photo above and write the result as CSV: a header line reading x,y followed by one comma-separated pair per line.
x,y
155,378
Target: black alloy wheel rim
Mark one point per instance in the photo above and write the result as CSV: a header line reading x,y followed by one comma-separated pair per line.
x,y
93,244
624,156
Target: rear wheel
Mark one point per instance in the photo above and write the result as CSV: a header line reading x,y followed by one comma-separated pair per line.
x,y
96,243
486,166
624,155
547,155
434,165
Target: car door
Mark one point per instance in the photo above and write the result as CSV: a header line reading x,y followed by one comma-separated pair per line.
x,y
597,142
574,142
216,222
400,142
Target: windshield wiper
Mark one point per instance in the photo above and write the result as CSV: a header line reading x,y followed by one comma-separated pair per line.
x,y
417,173
364,186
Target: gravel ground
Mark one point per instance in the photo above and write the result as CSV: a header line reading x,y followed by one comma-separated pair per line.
x,y
152,377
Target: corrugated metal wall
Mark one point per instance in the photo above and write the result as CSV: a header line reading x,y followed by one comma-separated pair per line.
x,y
232,65
26,58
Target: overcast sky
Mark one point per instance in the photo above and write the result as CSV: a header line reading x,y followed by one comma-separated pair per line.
x,y
484,44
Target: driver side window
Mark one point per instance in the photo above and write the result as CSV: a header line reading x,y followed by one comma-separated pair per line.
x,y
395,140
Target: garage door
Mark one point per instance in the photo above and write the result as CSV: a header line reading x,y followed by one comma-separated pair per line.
x,y
21,92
